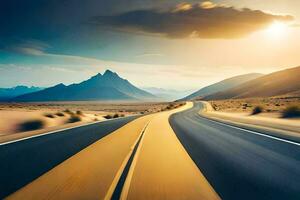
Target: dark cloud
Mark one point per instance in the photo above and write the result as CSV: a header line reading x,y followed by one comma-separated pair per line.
x,y
48,20
205,20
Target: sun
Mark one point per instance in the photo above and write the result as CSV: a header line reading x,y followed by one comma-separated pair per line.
x,y
277,29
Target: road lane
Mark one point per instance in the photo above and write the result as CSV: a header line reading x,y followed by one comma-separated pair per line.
x,y
24,161
162,169
90,174
237,163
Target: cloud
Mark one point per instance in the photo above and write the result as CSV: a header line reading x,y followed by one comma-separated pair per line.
x,y
207,5
150,55
204,20
29,47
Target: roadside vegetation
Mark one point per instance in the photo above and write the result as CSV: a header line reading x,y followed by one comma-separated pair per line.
x,y
291,112
49,115
113,116
173,106
78,112
59,114
68,112
256,110
31,125
74,118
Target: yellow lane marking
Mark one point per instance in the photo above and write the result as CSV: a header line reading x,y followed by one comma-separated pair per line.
x,y
120,171
131,170
88,174
163,168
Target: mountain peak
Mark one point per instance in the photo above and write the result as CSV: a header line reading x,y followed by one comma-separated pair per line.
x,y
109,73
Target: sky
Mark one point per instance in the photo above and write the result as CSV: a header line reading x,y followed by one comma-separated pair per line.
x,y
169,44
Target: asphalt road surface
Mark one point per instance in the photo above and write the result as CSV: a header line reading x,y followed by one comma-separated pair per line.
x,y
22,162
239,164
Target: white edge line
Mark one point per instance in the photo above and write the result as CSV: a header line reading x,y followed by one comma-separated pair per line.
x,y
256,133
56,131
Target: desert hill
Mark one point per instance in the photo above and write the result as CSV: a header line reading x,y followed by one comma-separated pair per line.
x,y
284,82
222,85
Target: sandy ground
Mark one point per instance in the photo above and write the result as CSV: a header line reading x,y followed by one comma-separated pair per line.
x,y
271,120
14,114
270,105
10,119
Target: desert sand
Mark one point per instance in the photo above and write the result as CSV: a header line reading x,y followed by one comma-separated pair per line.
x,y
14,114
272,105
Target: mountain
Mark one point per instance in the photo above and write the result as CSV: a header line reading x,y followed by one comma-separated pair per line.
x,y
223,85
108,86
8,93
285,82
166,94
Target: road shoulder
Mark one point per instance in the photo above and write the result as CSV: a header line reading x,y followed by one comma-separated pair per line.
x,y
278,127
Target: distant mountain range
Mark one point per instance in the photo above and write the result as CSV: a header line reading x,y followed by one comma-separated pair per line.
x,y
8,93
285,82
222,86
167,94
108,86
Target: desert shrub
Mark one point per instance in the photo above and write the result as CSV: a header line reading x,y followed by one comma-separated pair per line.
x,y
68,112
74,118
31,125
108,116
116,115
49,115
122,115
60,114
214,106
78,112
182,104
291,111
96,119
257,110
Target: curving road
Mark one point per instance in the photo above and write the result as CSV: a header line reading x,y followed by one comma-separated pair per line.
x,y
24,161
143,159
238,163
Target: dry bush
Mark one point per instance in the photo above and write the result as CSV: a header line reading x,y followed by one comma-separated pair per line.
x,y
291,111
108,116
257,110
60,114
116,115
68,112
78,112
74,118
31,125
49,115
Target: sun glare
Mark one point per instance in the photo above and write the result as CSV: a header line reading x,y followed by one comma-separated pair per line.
x,y
277,29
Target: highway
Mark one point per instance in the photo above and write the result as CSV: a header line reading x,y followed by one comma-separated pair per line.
x,y
176,154
24,161
238,163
